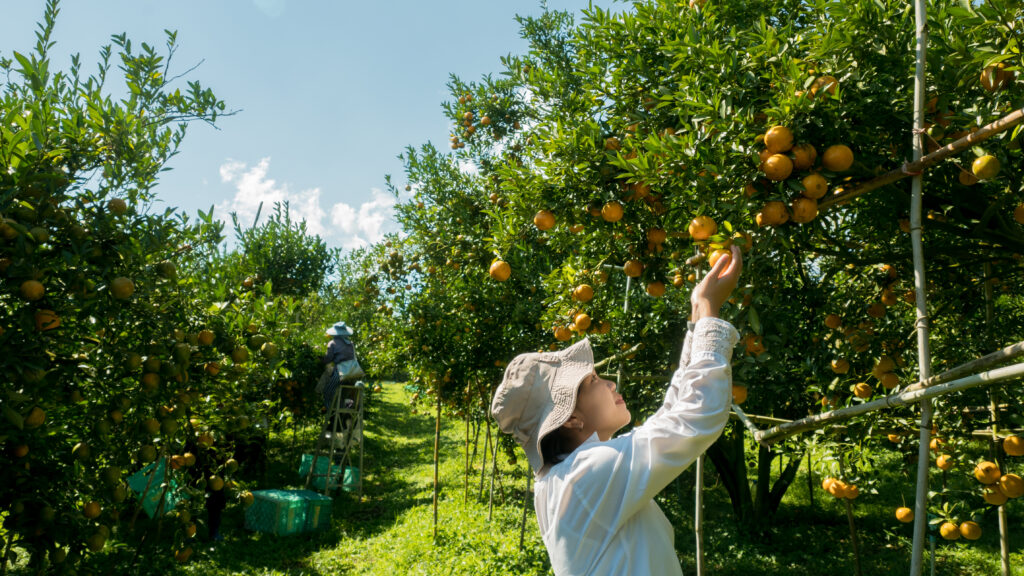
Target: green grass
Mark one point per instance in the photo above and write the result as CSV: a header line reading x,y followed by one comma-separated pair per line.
x,y
390,531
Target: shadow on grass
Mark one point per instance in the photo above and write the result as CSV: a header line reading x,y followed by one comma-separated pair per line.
x,y
395,440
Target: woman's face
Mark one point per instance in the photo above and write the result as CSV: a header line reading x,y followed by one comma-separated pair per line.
x,y
600,407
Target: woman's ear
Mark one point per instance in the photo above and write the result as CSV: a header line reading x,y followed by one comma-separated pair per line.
x,y
573,423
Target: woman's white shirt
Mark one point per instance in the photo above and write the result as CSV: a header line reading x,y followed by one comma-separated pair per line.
x,y
596,508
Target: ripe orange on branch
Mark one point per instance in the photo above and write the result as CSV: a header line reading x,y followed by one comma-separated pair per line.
x,y
804,210
987,472
656,289
905,515
815,186
985,167
1013,446
583,293
633,268
949,531
837,158
778,139
777,167
702,227
612,211
995,77
500,270
804,156
716,255
970,530
544,220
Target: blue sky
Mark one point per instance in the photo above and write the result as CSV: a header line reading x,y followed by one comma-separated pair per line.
x,y
330,92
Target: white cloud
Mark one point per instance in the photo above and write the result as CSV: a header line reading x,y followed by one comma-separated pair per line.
x,y
341,224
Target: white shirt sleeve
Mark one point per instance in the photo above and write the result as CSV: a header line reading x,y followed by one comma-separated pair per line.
x,y
628,471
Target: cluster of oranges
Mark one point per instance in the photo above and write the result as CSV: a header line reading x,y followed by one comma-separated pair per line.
x,y
840,489
781,157
471,123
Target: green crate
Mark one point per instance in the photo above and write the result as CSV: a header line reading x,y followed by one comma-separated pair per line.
x,y
278,512
318,510
320,475
148,485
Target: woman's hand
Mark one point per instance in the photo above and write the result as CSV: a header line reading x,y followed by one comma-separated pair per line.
x,y
715,288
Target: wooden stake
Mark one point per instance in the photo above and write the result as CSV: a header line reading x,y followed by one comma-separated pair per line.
x,y
437,444
698,514
853,537
1004,542
526,506
465,497
483,465
494,472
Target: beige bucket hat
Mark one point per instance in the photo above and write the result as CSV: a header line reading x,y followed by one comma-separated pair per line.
x,y
538,394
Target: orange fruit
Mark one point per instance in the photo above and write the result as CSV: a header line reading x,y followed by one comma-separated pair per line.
x,y
678,280
739,394
833,321
612,143
944,462
702,227
995,77
970,530
185,553
544,220
500,270
905,515
985,167
122,288
840,366
1018,214
583,293
190,459
656,236
247,499
581,322
889,380
837,158
716,255
1013,446
851,492
46,320
777,167
993,495
485,120
778,139
36,417
205,337
949,531
815,186
91,509
827,83
876,310
562,333
656,289
239,355
32,290
889,297
633,268
804,209
1011,486
863,390
774,213
987,472
216,483
20,451
804,156
967,178
612,211
212,368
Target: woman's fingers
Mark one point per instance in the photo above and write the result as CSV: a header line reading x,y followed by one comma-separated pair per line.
x,y
735,264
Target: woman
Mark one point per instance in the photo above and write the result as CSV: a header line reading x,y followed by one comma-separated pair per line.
x,y
594,494
339,349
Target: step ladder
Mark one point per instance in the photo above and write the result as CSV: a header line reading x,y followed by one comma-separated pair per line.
x,y
340,439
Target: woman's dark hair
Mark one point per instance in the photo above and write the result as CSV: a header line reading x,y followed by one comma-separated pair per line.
x,y
553,447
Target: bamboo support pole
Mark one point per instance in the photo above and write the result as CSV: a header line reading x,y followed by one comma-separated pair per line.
x,y
853,537
906,398
465,496
787,428
494,472
698,514
619,355
625,311
921,163
742,416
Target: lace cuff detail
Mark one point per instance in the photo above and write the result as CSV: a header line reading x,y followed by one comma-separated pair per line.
x,y
714,335
684,358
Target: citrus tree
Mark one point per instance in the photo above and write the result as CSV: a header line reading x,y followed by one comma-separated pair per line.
x,y
639,144
128,336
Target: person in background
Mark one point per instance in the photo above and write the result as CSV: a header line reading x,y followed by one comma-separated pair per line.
x,y
339,349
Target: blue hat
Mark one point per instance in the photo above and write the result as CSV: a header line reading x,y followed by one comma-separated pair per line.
x,y
339,329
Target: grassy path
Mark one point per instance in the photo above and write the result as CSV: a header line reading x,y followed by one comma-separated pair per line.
x,y
390,532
